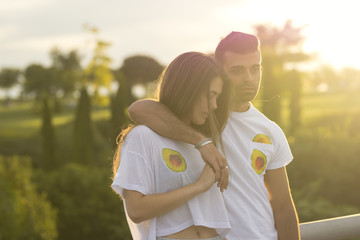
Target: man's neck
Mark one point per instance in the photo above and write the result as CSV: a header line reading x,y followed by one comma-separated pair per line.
x,y
240,106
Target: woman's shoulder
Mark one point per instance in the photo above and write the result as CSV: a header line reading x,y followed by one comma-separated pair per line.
x,y
143,135
141,132
138,139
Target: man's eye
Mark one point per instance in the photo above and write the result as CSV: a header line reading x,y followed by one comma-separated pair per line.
x,y
237,71
256,69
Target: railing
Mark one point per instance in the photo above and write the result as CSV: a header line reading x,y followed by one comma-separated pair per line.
x,y
331,229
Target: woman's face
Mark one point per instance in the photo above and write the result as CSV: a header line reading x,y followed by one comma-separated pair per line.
x,y
200,111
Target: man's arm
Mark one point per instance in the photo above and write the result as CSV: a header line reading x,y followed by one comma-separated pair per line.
x,y
286,219
161,120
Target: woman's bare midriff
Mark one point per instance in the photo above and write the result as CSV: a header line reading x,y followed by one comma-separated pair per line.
x,y
194,232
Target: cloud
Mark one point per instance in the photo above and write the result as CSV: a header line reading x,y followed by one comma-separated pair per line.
x,y
160,28
18,5
163,29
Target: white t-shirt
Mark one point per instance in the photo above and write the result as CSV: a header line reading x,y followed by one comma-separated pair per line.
x,y
152,164
252,144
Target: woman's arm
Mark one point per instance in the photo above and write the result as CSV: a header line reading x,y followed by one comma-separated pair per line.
x,y
161,120
143,207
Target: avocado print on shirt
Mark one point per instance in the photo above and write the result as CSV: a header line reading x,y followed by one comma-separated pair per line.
x,y
174,160
258,161
258,158
261,138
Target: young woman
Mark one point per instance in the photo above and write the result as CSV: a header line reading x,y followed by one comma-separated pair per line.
x,y
168,190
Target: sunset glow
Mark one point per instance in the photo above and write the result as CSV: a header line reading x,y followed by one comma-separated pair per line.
x,y
26,36
330,28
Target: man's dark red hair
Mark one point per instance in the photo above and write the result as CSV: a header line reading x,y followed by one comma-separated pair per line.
x,y
236,42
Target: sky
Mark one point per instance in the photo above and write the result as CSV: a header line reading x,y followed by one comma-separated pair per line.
x,y
163,29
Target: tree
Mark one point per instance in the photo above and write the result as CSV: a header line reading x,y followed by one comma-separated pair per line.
x,y
57,82
25,213
279,47
98,73
38,81
295,97
135,70
140,70
327,75
66,73
119,104
8,78
48,137
350,79
83,130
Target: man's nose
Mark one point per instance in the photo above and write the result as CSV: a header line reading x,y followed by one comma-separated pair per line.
x,y
247,75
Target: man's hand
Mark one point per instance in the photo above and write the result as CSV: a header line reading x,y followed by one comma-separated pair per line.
x,y
216,160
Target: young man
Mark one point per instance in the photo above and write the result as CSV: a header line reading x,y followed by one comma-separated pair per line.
x,y
258,197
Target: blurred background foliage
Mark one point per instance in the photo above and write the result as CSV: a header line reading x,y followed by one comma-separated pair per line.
x,y
57,137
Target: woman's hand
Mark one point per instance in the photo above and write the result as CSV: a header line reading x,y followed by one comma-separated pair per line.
x,y
206,179
142,207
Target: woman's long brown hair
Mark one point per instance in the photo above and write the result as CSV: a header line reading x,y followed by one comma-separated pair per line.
x,y
181,84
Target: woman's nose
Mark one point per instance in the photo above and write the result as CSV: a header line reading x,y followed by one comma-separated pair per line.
x,y
213,104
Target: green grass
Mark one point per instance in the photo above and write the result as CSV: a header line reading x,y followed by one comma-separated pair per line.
x,y
20,121
314,106
317,105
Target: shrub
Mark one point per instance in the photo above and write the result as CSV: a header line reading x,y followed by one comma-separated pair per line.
x,y
88,208
25,213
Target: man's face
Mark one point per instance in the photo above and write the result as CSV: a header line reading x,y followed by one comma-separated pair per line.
x,y
244,72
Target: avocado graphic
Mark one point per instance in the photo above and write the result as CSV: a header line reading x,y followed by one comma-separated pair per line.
x,y
173,160
261,138
258,161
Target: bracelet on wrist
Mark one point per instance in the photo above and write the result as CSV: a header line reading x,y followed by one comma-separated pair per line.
x,y
203,143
